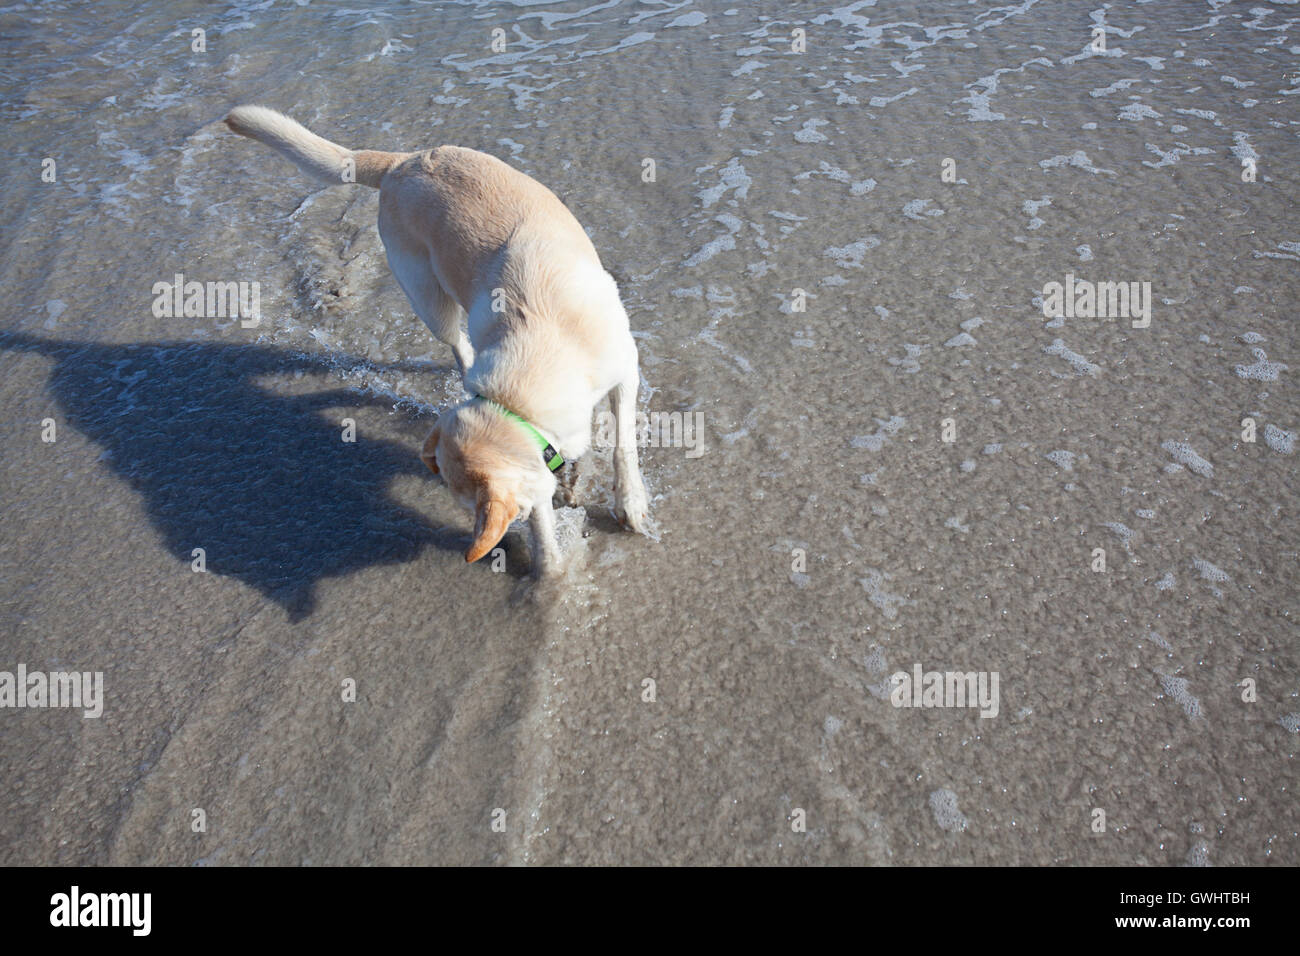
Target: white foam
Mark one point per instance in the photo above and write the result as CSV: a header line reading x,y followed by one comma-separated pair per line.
x,y
879,101
1031,207
808,132
859,187
1121,531
943,804
1241,147
1287,247
887,603
1078,159
1282,442
1176,688
887,430
918,209
1170,157
909,362
693,19
1080,364
711,249
1214,575
569,523
732,177
1184,455
1136,112
981,110
1114,87
1263,370
851,255
1199,114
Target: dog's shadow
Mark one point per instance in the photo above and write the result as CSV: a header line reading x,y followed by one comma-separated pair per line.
x,y
262,482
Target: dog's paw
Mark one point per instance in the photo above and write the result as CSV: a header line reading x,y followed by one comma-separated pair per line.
x,y
548,573
632,520
564,498
633,512
552,556
566,486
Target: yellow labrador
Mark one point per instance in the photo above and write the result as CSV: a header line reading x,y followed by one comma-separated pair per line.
x,y
548,336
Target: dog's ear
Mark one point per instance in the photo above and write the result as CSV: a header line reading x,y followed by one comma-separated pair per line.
x,y
491,519
428,453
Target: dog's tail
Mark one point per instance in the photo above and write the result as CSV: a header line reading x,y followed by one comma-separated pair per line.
x,y
328,162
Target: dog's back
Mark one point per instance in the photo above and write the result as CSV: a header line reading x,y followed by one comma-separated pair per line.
x,y
464,208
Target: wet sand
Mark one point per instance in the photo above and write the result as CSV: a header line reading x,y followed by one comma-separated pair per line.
x,y
828,536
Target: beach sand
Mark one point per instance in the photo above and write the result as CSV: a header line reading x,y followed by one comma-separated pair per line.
x,y
836,260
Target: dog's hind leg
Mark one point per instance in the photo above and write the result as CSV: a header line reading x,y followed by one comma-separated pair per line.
x,y
446,326
631,505
434,307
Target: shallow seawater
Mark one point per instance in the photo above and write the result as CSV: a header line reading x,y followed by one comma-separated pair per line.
x,y
838,261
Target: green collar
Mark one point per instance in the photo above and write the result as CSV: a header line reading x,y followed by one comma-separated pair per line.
x,y
550,455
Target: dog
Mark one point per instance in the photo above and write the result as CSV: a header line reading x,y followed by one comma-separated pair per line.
x,y
548,337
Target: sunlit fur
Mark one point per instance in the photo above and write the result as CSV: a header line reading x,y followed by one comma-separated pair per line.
x,y
547,333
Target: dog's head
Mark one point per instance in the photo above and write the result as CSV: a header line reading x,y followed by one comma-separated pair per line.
x,y
492,467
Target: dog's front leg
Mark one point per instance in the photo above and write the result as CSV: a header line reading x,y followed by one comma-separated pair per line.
x,y
566,488
546,551
631,506
464,353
